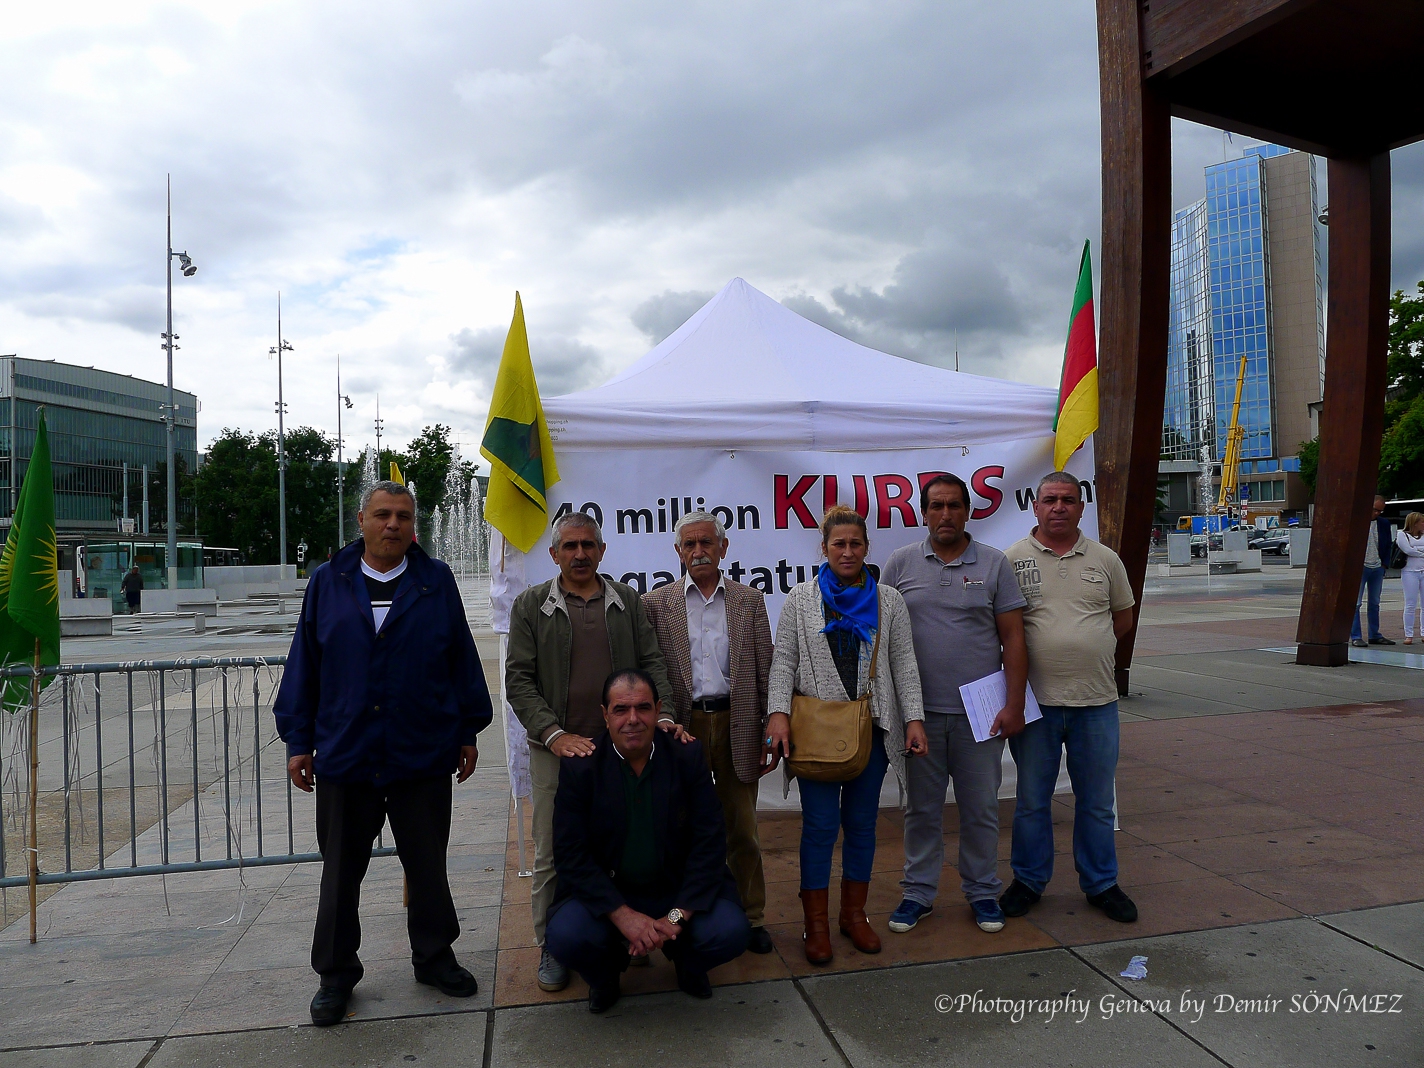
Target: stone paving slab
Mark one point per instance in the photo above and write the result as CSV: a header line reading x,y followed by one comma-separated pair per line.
x,y
1257,974
447,1042
106,1055
757,1024
1396,929
897,1021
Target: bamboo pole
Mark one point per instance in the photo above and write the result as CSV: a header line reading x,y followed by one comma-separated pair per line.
x,y
34,850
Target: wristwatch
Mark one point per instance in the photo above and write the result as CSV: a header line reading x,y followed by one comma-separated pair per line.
x,y
676,916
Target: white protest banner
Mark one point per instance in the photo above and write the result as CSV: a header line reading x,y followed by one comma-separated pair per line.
x,y
771,503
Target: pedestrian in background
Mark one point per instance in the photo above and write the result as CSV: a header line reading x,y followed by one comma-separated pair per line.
x,y
1379,549
1410,542
132,585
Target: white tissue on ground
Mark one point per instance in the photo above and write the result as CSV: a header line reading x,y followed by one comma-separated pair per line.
x,y
1136,969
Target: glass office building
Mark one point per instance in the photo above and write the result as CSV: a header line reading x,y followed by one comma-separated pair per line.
x,y
1188,423
102,427
1246,285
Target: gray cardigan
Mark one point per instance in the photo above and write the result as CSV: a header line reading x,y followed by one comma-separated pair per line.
x,y
803,664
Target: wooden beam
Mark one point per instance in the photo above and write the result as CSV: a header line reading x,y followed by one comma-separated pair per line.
x,y
1179,34
1136,245
1353,412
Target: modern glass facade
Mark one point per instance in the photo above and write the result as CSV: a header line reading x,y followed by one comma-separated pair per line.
x,y
1239,281
1247,283
1188,423
97,421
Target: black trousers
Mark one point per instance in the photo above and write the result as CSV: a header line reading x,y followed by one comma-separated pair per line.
x,y
348,818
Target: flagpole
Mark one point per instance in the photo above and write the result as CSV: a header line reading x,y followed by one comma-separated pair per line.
x,y
34,790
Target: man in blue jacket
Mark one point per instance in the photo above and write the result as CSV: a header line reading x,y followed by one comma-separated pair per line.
x,y
381,702
640,848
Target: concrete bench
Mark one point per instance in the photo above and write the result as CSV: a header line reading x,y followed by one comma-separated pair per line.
x,y
184,601
84,617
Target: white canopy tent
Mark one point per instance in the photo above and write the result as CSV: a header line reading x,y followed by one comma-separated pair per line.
x,y
747,372
749,408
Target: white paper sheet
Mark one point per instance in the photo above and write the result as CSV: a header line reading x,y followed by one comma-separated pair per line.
x,y
985,698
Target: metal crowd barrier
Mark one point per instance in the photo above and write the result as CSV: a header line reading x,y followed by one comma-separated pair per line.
x,y
193,732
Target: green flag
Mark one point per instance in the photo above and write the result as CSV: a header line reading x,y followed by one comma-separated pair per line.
x,y
29,576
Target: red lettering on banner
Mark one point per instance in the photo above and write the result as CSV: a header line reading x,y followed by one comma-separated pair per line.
x,y
785,502
862,496
994,495
830,492
894,493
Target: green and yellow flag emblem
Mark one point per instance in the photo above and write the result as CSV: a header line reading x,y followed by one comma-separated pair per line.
x,y
29,576
517,445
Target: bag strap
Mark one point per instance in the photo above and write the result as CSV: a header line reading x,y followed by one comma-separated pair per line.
x,y
875,647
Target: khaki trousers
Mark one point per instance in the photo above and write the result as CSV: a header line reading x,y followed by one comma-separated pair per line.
x,y
714,731
544,776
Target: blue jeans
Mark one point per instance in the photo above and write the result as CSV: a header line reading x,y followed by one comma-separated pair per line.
x,y
826,807
592,946
1090,735
1372,580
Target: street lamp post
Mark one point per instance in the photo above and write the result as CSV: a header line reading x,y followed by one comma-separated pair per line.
x,y
170,410
341,399
281,347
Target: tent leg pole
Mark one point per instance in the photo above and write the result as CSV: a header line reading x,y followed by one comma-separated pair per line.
x,y
525,872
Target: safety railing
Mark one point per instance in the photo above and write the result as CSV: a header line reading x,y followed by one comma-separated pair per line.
x,y
152,767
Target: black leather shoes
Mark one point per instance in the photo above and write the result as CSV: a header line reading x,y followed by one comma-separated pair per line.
x,y
692,982
602,998
452,981
1018,899
759,941
1115,905
329,1005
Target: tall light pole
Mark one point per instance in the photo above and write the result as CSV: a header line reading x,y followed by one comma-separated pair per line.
x,y
170,410
281,347
341,399
379,427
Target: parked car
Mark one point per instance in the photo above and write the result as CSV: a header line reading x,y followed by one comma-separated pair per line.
x,y
1274,545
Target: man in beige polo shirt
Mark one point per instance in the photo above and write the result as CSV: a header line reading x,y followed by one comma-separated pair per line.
x,y
1079,604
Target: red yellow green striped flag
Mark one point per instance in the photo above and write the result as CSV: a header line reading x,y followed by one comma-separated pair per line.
x,y
1078,390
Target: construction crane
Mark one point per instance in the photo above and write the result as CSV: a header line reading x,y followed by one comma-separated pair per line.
x,y
1231,460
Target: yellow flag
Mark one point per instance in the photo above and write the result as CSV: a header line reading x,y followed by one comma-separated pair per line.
x,y
517,445
396,475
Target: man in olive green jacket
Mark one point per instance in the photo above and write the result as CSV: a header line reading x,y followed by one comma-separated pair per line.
x,y
566,636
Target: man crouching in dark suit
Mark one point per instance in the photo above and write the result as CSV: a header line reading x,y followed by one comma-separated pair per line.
x,y
640,851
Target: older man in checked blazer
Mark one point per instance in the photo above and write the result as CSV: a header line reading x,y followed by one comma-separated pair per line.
x,y
716,641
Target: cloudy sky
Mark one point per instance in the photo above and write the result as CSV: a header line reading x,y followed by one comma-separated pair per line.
x,y
918,176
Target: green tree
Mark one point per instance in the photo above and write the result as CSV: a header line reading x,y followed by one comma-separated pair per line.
x,y
1401,469
430,459
1309,454
238,499
237,494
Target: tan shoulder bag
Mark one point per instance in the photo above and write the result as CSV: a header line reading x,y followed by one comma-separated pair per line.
x,y
831,740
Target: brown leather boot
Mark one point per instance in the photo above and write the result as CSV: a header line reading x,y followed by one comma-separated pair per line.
x,y
853,921
816,905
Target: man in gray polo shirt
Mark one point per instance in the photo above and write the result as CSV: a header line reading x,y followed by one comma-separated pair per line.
x,y
966,616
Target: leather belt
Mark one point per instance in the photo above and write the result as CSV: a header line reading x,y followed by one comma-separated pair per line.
x,y
712,704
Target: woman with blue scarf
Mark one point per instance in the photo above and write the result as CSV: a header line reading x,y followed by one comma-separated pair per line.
x,y
823,647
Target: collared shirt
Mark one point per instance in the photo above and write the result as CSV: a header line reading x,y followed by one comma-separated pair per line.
x,y
638,867
590,660
1068,622
381,588
707,633
953,614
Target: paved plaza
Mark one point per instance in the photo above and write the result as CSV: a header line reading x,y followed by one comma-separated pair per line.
x,y
1272,834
